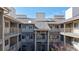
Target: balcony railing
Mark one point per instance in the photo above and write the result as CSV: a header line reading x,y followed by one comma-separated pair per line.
x,y
57,30
66,29
62,29
41,40
14,30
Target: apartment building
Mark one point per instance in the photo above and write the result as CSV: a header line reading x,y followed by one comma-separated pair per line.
x,y
39,33
9,30
54,33
20,33
71,29
34,36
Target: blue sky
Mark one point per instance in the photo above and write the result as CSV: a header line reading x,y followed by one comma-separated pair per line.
x,y
49,11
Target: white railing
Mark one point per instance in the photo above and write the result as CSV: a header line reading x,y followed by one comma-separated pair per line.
x,y
66,30
14,30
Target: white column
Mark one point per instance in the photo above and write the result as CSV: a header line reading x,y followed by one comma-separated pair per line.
x,y
59,32
21,38
64,40
17,42
64,37
73,27
35,40
48,41
73,40
18,37
3,26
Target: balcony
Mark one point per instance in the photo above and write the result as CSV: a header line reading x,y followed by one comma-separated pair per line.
x,y
69,47
14,30
55,30
66,29
70,32
41,40
54,40
11,31
41,36
27,30
7,30
13,43
27,40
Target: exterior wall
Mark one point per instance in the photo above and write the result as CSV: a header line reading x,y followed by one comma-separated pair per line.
x,y
41,40
59,18
28,37
1,25
7,44
68,13
75,11
27,28
11,29
54,36
76,26
72,12
1,29
7,26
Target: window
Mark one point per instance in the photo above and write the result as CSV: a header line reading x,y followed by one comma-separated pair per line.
x,y
6,42
76,40
56,27
31,36
6,24
19,25
23,37
57,36
19,37
30,27
75,25
43,36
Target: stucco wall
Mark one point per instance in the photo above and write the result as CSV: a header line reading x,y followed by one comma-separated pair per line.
x,y
68,13
72,12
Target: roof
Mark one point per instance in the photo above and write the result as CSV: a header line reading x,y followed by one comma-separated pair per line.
x,y
71,19
42,25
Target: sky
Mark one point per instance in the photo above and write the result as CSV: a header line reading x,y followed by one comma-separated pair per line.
x,y
49,11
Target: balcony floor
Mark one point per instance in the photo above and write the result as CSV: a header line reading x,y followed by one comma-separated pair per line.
x,y
75,35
